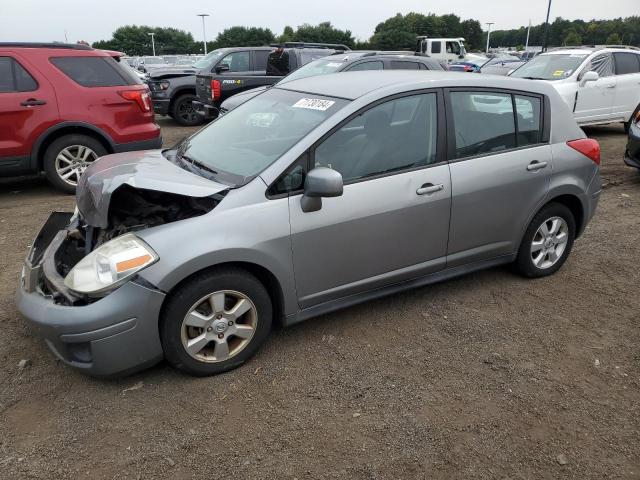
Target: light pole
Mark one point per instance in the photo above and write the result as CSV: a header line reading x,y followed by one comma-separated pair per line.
x,y
153,43
546,29
488,34
204,33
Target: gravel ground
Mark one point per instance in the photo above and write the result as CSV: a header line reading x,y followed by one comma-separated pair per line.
x,y
485,376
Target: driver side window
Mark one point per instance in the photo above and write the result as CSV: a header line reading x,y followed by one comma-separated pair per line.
x,y
394,136
237,61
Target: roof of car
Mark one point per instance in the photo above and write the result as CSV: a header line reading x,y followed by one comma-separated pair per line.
x,y
352,85
69,46
587,49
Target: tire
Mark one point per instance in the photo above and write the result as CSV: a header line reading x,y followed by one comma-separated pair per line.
x,y
67,154
529,262
216,324
182,111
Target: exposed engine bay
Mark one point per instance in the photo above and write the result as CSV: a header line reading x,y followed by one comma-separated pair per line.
x,y
130,209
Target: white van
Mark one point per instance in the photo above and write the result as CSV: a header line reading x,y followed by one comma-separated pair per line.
x,y
600,84
447,49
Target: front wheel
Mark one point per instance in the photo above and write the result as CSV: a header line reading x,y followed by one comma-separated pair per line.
x,y
547,242
215,322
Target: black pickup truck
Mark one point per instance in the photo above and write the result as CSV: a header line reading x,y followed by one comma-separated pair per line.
x,y
250,67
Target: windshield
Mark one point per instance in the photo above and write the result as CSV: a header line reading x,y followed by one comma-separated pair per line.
x,y
153,60
550,67
323,66
208,59
238,146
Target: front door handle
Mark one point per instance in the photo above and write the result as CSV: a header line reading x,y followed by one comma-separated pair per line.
x,y
429,188
32,102
536,165
611,85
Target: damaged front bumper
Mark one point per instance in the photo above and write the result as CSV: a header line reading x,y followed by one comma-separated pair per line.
x,y
114,335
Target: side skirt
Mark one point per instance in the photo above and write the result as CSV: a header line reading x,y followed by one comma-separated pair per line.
x,y
355,299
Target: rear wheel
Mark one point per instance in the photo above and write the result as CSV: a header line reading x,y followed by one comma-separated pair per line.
x,y
183,112
547,242
66,159
215,322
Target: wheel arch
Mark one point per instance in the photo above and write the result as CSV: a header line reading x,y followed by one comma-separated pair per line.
x,y
66,128
574,204
264,276
179,92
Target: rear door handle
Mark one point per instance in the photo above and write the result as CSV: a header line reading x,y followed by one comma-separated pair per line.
x,y
611,85
536,165
429,188
32,102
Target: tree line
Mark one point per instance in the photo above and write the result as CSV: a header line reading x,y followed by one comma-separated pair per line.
x,y
395,33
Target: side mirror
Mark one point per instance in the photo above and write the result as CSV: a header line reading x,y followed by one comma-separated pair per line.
x,y
223,67
320,182
589,77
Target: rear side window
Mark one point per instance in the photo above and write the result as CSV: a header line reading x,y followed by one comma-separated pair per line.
x,y
399,65
483,123
261,57
436,47
93,71
14,78
626,63
529,120
366,66
278,63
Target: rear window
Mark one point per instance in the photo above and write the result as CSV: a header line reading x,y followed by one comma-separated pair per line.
x,y
400,65
94,71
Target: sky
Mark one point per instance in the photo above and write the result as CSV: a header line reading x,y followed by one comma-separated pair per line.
x,y
91,20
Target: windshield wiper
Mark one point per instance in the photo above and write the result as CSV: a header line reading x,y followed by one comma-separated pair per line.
x,y
534,78
196,163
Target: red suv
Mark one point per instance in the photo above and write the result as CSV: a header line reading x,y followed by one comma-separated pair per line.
x,y
64,106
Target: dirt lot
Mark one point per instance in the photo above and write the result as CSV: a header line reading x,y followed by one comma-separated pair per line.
x,y
486,376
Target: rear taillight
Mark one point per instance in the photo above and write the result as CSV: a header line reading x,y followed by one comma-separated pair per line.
x,y
141,97
215,90
637,120
588,147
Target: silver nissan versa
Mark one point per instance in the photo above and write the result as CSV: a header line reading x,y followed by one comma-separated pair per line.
x,y
313,196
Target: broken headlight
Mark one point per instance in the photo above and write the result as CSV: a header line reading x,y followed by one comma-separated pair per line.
x,y
110,265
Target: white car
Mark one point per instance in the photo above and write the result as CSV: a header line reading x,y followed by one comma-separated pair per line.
x,y
600,84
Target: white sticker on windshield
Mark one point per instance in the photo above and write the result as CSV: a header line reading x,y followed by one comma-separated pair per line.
x,y
334,64
314,104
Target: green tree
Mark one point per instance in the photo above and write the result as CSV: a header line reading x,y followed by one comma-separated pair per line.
x,y
243,37
472,33
321,33
614,39
572,38
393,40
135,40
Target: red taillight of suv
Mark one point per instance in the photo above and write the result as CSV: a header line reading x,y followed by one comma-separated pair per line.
x,y
588,147
141,97
215,89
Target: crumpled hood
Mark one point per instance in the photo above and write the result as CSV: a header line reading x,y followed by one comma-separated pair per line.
x,y
147,170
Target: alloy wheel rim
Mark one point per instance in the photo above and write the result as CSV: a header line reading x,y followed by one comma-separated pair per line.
x,y
219,326
549,242
72,161
186,112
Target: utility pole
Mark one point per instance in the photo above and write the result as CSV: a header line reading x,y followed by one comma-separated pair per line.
x,y
488,34
546,29
153,43
526,45
204,33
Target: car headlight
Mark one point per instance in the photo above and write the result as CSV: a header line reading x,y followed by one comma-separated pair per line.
x,y
110,265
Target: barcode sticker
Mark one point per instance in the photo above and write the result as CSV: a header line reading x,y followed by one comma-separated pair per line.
x,y
314,104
